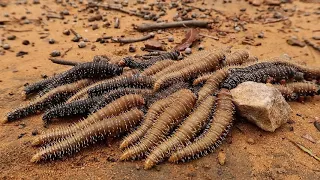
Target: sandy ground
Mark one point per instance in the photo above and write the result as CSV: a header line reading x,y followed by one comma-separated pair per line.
x,y
272,156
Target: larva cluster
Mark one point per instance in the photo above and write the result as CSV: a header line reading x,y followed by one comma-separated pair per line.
x,y
106,127
171,117
213,137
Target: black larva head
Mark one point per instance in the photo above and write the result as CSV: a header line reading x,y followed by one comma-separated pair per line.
x,y
299,76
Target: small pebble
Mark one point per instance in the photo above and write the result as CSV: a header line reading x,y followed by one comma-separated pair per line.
x,y
95,26
250,141
261,35
55,53
188,51
222,158
44,76
22,125
82,44
21,135
35,132
6,46
170,39
36,2
65,12
25,42
51,41
66,32
200,47
21,53
137,167
243,9
237,28
132,48
11,37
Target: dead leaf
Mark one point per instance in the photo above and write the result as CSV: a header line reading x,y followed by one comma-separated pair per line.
x,y
191,36
308,137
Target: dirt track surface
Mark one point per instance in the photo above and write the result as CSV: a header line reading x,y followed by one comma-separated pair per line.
x,y
271,156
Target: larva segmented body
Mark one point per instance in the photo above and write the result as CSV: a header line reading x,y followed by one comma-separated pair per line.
x,y
212,85
309,72
38,86
213,137
55,96
304,88
201,79
107,127
135,81
286,92
128,61
237,58
153,112
157,67
261,75
204,65
171,116
184,134
114,108
194,58
87,70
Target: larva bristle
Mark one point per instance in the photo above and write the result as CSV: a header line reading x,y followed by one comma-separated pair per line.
x,y
106,127
194,58
38,86
207,63
130,62
171,117
237,58
86,70
185,133
114,108
157,67
134,81
304,88
153,112
219,127
202,78
53,97
286,92
212,85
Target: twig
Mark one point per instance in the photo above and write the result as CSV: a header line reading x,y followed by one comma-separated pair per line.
x,y
65,53
212,37
17,30
132,40
193,23
77,36
272,20
54,16
306,150
64,62
313,45
116,23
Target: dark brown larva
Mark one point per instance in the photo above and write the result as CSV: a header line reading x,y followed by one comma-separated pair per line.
x,y
153,113
171,117
237,58
212,85
158,66
184,134
114,108
203,65
134,81
106,127
53,97
213,137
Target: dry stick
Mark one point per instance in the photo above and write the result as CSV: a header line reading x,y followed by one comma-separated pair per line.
x,y
267,21
116,23
78,36
154,26
64,62
65,53
17,30
212,37
312,44
54,16
132,40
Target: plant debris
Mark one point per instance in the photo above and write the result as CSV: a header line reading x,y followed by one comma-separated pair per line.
x,y
191,36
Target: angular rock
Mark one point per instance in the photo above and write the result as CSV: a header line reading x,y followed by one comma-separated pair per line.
x,y
256,2
261,105
295,42
153,44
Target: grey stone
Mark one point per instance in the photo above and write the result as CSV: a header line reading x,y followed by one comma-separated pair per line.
x,y
261,104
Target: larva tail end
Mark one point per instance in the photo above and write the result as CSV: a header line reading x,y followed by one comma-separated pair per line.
x,y
36,142
124,144
156,87
173,158
23,95
4,120
36,158
125,156
148,164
